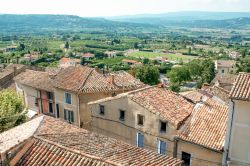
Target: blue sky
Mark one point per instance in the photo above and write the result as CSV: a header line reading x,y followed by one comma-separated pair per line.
x,y
95,8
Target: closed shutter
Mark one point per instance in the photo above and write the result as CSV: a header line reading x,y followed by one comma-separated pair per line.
x,y
65,114
71,116
140,140
161,147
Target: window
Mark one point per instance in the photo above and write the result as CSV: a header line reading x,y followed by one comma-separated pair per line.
x,y
102,111
140,140
57,111
51,107
222,71
140,119
163,127
69,116
49,96
161,147
68,98
186,157
122,115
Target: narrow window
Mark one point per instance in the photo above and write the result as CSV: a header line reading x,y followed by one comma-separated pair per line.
x,y
140,119
57,111
140,140
186,157
161,147
102,111
163,127
51,107
122,115
49,96
222,71
68,99
69,116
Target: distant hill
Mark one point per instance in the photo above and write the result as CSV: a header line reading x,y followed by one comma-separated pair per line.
x,y
191,19
48,23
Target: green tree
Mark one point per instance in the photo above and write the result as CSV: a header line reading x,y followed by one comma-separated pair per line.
x,y
10,110
148,74
179,75
66,45
189,50
21,47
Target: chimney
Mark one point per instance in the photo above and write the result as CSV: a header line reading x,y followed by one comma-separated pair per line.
x,y
112,79
97,69
15,70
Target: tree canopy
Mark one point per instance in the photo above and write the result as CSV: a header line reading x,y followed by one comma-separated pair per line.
x,y
147,74
11,108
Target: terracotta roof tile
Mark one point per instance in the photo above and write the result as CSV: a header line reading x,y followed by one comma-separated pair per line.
x,y
166,103
225,63
88,80
224,78
35,79
60,143
241,88
207,125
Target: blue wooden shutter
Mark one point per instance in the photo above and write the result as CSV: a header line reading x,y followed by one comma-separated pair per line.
x,y
140,140
161,147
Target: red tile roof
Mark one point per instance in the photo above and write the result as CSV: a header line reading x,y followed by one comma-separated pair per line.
x,y
43,152
58,142
88,80
207,125
35,79
241,88
165,103
65,60
225,63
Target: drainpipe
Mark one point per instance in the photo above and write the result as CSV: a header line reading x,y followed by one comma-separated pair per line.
x,y
79,119
175,147
230,133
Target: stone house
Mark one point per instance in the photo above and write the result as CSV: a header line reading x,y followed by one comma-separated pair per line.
x,y
238,128
160,120
74,87
37,91
64,94
225,66
67,62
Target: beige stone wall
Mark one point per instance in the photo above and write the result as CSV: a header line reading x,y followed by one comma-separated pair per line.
x,y
85,114
74,106
126,130
239,150
29,95
199,155
226,70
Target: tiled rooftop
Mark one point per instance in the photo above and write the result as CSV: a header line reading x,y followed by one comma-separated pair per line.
x,y
88,80
224,78
207,125
18,134
165,103
225,63
241,88
58,140
35,79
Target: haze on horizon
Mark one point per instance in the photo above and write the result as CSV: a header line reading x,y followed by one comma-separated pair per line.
x,y
103,8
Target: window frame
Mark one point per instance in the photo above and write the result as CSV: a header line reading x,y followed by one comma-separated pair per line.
x,y
124,115
69,116
101,109
142,116
50,103
65,97
138,143
159,147
166,127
